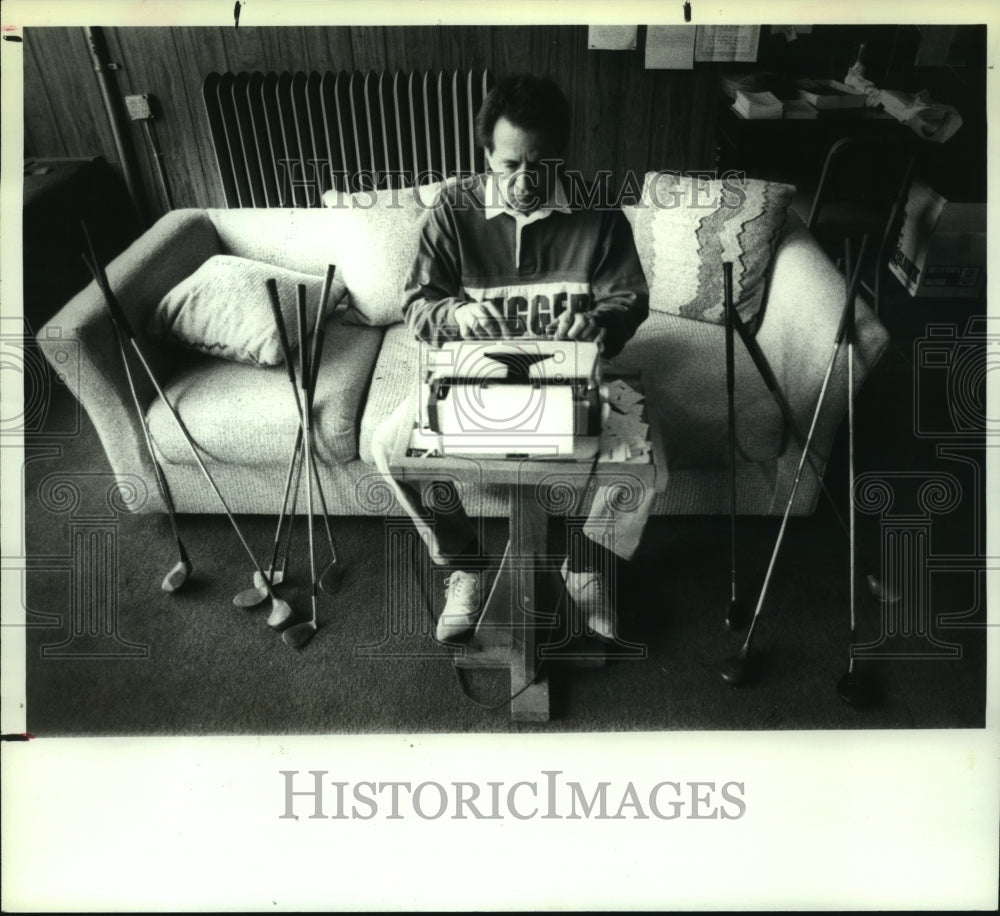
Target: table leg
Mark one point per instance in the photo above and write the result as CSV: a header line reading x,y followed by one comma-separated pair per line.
x,y
528,540
507,634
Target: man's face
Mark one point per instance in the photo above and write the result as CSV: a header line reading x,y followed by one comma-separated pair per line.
x,y
517,158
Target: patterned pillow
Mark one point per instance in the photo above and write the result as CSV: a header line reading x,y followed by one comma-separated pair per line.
x,y
223,309
380,241
685,227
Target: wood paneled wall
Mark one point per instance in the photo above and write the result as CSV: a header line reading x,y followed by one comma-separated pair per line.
x,y
624,117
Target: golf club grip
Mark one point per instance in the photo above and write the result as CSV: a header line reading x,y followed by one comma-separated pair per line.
x,y
279,321
117,315
161,481
852,291
101,278
319,332
300,314
850,310
324,296
727,276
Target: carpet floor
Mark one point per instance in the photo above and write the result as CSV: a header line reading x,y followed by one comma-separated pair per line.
x,y
193,664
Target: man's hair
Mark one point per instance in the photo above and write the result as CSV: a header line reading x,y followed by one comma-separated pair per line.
x,y
528,102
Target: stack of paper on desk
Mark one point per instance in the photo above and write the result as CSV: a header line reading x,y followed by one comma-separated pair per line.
x,y
626,435
755,105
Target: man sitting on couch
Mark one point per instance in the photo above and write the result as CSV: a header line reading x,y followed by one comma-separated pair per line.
x,y
507,250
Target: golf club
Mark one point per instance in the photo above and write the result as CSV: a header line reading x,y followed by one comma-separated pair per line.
x,y
299,634
875,585
251,597
734,669
853,687
280,610
736,612
332,575
178,575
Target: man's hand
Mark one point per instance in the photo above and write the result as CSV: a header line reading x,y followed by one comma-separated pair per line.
x,y
479,320
575,326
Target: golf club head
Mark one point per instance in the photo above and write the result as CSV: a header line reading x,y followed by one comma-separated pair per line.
x,y
737,615
250,597
277,576
298,635
734,669
857,689
281,614
177,576
880,590
332,577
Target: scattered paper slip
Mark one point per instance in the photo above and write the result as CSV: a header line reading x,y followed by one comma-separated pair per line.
x,y
621,397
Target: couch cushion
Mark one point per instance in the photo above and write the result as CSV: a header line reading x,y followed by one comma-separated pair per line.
x,y
379,246
306,240
684,231
683,366
392,381
240,414
223,309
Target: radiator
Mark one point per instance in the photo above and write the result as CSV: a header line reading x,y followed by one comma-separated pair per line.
x,y
282,140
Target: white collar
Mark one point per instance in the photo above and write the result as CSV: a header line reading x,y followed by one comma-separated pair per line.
x,y
558,202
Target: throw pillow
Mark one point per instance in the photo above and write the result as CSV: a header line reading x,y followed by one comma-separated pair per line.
x,y
379,246
223,309
685,227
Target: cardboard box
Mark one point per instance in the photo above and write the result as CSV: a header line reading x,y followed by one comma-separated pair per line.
x,y
941,250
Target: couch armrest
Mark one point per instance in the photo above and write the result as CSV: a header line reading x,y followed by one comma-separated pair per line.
x,y
140,276
801,317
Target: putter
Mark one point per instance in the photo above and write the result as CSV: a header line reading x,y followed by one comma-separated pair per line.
x,y
854,687
877,588
734,669
179,573
299,634
280,610
736,612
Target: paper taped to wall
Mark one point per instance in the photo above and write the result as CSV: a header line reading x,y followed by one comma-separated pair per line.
x,y
670,47
727,43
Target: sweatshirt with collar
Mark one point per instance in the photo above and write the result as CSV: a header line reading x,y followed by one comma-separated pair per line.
x,y
531,267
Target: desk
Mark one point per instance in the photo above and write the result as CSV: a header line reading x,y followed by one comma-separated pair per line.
x,y
515,616
793,150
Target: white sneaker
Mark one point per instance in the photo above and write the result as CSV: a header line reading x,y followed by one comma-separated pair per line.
x,y
462,607
592,601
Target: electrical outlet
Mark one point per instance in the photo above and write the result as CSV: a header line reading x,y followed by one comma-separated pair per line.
x,y
138,107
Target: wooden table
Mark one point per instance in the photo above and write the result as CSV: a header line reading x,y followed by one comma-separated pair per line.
x,y
515,618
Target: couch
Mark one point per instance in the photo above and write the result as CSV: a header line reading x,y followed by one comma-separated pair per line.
x,y
244,419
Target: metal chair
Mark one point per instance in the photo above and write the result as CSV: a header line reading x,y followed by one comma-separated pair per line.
x,y
863,189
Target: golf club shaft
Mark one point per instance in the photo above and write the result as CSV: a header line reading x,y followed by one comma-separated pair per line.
x,y
317,350
292,464
851,329
852,292
161,480
304,382
300,445
119,316
767,374
727,273
90,259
